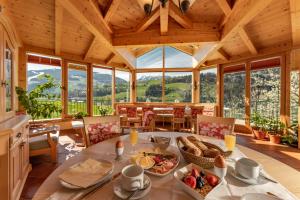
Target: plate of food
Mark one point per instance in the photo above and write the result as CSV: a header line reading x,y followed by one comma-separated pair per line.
x,y
157,163
196,181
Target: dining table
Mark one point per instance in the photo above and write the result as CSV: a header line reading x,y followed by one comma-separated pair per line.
x,y
165,188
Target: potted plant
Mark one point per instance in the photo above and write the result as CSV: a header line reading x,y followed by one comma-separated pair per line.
x,y
105,110
291,136
275,130
80,115
258,124
31,101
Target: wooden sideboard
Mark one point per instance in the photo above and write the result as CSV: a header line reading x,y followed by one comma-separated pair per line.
x,y
14,156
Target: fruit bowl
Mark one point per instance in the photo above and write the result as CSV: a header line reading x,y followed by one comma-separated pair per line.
x,y
184,178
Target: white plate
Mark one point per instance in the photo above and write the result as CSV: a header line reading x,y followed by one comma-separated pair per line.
x,y
259,181
123,194
258,196
168,172
180,173
104,178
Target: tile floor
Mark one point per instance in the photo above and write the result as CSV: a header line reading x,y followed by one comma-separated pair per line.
x,y
42,165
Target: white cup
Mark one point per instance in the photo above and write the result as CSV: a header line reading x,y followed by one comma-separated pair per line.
x,y
247,168
132,177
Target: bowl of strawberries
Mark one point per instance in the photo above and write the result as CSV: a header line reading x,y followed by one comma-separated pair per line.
x,y
196,181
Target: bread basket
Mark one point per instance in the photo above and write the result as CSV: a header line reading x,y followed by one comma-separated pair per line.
x,y
202,161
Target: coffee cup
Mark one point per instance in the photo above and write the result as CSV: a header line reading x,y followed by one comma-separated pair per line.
x,y
247,168
132,177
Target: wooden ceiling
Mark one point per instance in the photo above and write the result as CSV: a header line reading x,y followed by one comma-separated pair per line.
x,y
116,32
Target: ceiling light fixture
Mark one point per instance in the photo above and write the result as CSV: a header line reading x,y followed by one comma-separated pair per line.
x,y
163,3
148,7
184,5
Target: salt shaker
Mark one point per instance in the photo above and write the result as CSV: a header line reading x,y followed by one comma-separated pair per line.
x,y
119,149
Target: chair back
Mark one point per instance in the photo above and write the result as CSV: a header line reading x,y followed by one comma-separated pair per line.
x,y
100,128
121,110
178,112
149,119
146,108
196,110
214,126
131,111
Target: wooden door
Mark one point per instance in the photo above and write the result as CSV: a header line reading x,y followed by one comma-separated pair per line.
x,y
25,151
15,171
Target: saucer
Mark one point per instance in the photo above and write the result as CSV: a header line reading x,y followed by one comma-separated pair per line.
x,y
259,181
123,194
258,196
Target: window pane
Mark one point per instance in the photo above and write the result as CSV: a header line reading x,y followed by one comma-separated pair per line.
x,y
8,62
234,95
177,59
122,86
77,89
294,96
265,92
178,86
208,85
34,78
149,87
102,88
152,59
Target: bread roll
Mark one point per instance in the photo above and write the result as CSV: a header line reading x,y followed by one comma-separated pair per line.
x,y
197,143
211,153
191,148
195,151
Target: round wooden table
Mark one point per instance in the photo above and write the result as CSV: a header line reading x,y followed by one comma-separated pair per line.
x,y
162,187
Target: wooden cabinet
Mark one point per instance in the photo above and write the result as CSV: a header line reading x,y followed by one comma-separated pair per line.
x,y
14,160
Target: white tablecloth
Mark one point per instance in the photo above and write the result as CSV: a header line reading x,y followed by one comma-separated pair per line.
x,y
162,188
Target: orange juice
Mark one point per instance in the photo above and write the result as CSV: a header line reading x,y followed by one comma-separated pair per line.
x,y
230,141
133,137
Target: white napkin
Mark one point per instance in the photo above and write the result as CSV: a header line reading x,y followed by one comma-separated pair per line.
x,y
86,173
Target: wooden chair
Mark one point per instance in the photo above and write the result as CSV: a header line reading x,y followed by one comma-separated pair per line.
x,y
214,126
195,110
132,117
98,129
178,116
44,141
122,112
148,123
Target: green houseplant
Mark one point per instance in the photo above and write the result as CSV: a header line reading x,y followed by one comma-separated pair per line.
x,y
80,115
30,101
259,126
105,110
275,130
291,136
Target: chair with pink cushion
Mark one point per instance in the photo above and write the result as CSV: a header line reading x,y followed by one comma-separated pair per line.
x,y
195,110
132,117
98,129
148,123
215,127
178,116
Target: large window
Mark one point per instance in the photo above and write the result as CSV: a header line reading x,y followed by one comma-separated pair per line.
x,y
77,88
149,87
234,94
102,88
208,85
122,86
265,92
35,74
178,86
177,59
152,59
294,96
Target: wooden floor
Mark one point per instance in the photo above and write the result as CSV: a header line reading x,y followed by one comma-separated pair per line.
x,y
42,165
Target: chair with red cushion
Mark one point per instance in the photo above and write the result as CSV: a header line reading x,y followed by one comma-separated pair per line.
x,y
178,116
148,123
195,110
215,127
98,129
132,117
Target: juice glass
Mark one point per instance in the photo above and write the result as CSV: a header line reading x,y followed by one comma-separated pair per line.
x,y
230,140
133,137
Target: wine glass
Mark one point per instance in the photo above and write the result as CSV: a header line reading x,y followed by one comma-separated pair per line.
x,y
133,137
230,140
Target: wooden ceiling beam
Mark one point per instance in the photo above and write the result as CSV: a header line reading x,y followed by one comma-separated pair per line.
x,y
177,15
84,12
109,59
164,19
148,21
175,36
247,40
112,9
223,54
125,53
242,13
142,51
186,49
202,52
295,21
223,4
96,7
90,49
59,12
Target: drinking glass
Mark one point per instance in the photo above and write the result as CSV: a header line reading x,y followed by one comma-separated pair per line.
x,y
230,140
133,137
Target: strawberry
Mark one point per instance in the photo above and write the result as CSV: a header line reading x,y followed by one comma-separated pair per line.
x,y
212,180
190,181
195,173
